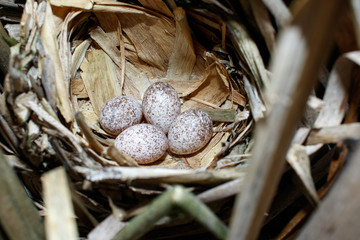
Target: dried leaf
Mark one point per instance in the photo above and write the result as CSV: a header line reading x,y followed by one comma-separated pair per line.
x,y
300,162
60,217
78,56
107,229
183,58
264,23
100,78
50,44
334,134
337,90
84,4
279,11
157,5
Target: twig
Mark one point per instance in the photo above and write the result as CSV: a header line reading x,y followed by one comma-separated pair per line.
x,y
176,197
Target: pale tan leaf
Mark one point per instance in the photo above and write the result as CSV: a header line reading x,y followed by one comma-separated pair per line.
x,y
334,134
60,217
279,11
100,78
78,89
49,40
78,56
300,162
100,37
336,93
107,229
183,58
84,4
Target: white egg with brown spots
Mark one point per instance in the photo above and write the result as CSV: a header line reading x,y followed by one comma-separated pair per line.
x,y
161,105
119,113
190,132
145,143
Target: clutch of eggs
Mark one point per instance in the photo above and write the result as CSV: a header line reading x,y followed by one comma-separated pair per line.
x,y
188,132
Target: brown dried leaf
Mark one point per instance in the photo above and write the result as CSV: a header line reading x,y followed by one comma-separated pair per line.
x,y
157,5
78,88
153,37
213,90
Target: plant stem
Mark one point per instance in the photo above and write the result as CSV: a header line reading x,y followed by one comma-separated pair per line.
x,y
18,216
176,197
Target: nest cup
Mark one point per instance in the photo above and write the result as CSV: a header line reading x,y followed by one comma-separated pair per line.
x,y
72,59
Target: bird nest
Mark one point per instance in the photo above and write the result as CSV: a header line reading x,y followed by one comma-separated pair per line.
x,y
73,57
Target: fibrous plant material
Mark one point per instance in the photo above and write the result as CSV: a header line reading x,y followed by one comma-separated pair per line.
x,y
279,126
19,218
107,48
60,217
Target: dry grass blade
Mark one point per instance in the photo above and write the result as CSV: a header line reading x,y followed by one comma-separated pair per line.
x,y
60,217
18,216
250,54
279,10
96,146
121,158
256,104
263,20
159,175
294,72
222,191
334,134
78,56
300,162
341,201
48,37
333,111
107,229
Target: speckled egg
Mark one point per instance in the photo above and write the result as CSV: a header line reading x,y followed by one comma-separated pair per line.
x,y
145,143
161,105
190,132
119,113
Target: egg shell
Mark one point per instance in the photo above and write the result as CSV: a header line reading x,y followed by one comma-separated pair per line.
x,y
191,131
145,143
119,113
161,105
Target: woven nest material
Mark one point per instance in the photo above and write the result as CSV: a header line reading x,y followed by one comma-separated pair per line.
x,y
74,57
